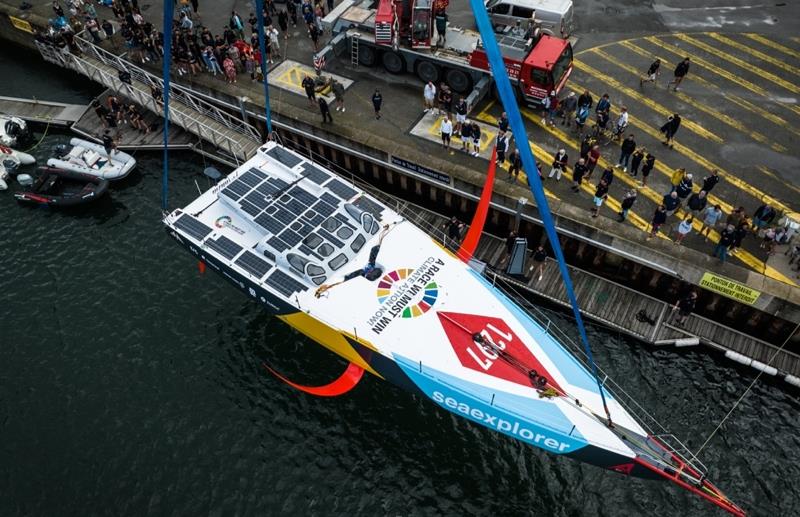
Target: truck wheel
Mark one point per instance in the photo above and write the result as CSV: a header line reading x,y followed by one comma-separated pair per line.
x,y
367,56
393,62
459,81
427,71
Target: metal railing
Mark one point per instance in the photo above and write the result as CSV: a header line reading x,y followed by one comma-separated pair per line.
x,y
197,116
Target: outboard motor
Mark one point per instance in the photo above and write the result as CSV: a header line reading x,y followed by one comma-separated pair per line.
x,y
11,165
17,129
60,150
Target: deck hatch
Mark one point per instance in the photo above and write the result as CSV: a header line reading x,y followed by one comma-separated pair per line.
x,y
192,226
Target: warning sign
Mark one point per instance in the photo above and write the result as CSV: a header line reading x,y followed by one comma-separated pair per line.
x,y
729,288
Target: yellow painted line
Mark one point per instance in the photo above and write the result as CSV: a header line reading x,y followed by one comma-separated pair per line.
x,y
772,44
772,175
747,105
708,165
658,108
755,53
730,121
795,39
485,111
739,62
758,90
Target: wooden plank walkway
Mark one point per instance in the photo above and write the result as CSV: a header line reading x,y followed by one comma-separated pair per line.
x,y
613,304
46,112
90,127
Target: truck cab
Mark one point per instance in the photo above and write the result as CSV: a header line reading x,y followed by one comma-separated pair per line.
x,y
546,69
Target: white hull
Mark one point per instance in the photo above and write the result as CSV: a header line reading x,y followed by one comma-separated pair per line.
x,y
23,158
90,158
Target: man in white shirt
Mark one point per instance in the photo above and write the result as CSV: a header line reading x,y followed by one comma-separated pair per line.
x,y
430,96
447,131
622,123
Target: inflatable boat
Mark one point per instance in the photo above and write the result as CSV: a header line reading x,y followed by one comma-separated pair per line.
x,y
62,188
8,166
13,130
90,158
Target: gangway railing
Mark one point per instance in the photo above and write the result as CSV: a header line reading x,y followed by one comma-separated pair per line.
x,y
187,110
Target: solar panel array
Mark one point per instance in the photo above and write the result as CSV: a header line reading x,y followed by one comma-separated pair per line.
x,y
253,264
284,284
224,246
192,226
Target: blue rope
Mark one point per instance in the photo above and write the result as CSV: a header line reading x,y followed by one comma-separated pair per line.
x,y
262,45
165,76
534,182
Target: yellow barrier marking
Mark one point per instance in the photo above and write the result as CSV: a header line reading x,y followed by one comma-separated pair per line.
x,y
613,83
772,44
733,98
778,179
755,53
739,62
730,121
717,70
292,77
708,165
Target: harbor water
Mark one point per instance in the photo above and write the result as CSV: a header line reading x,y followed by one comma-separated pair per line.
x,y
131,384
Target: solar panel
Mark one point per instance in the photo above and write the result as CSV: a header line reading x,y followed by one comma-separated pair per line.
x,y
252,177
257,198
192,226
284,156
330,199
333,240
368,205
253,265
344,219
291,238
303,195
284,216
267,188
239,187
250,208
315,174
278,244
316,221
284,284
224,246
295,206
340,189
270,224
309,214
231,194
278,183
323,208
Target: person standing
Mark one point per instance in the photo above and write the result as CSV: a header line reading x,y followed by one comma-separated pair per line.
x,y
502,122
659,218
338,93
461,114
647,168
763,215
636,161
325,110
515,165
684,308
652,73
446,131
377,101
600,195
309,87
585,100
539,256
510,241
109,144
738,235
677,177
627,148
604,104
283,23
680,72
621,124
560,161
578,172
476,139
607,175
671,202
447,100
697,202
429,96
237,24
594,157
627,203
669,129
568,107
711,216
710,181
552,106
725,241
684,188
454,227
580,119
683,229
502,147
466,136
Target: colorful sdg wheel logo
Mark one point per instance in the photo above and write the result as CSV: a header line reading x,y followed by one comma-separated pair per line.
x,y
393,283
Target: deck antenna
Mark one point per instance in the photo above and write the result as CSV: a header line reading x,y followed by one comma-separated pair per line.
x,y
534,182
165,76
264,72
736,404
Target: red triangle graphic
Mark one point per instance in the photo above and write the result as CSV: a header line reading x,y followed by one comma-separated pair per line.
x,y
460,329
625,468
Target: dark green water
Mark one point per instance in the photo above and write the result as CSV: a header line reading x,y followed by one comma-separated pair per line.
x,y
132,385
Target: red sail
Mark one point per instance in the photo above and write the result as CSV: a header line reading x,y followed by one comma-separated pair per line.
x,y
470,242
346,382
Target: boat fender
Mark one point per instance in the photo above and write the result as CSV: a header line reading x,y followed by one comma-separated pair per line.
x,y
26,180
769,370
739,358
533,375
541,382
3,184
791,379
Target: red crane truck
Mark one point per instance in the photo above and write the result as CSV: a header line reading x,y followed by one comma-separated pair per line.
x,y
399,35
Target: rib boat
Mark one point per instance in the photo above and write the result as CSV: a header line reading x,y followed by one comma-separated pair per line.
x,y
337,264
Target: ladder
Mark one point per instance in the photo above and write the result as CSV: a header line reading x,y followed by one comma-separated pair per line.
x,y
354,37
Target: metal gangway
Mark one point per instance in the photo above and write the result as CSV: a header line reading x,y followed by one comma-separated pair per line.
x,y
226,132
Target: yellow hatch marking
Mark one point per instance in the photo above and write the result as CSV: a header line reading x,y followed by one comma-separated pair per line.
x,y
772,44
755,53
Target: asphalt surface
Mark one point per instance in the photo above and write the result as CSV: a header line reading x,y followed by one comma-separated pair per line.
x,y
738,103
